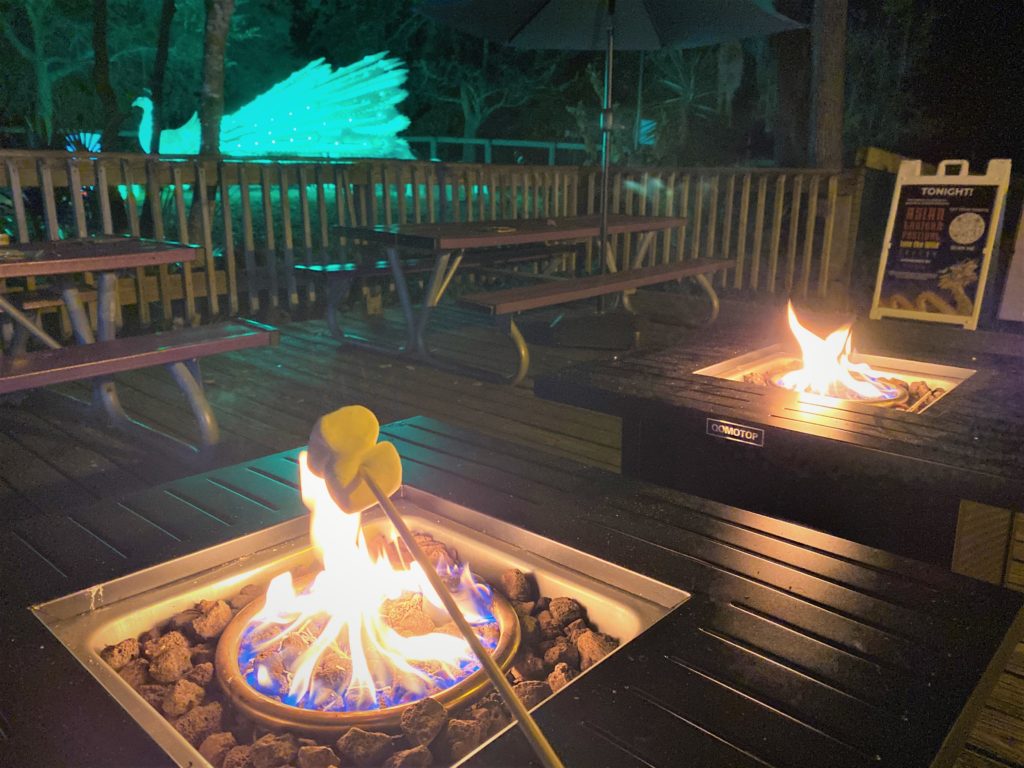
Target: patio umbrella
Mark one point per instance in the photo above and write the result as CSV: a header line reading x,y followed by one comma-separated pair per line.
x,y
591,25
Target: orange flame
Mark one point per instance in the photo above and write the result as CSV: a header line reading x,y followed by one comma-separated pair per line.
x,y
337,621
827,369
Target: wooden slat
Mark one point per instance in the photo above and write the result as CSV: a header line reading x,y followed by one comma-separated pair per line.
x,y
773,254
156,212
288,243
755,257
270,242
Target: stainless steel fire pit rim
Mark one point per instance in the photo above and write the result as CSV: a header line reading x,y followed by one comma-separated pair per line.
x,y
278,715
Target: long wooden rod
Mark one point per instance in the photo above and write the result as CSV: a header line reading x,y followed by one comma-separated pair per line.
x,y
529,726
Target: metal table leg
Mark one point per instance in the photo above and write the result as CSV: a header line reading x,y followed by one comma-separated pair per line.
x,y
24,321
440,278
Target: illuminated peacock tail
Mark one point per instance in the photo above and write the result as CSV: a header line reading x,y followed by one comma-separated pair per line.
x,y
317,111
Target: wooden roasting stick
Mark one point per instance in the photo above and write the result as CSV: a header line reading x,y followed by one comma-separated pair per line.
x,y
528,725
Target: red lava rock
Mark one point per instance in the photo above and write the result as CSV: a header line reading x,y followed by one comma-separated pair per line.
x,y
576,628
417,757
423,721
530,628
524,608
135,672
333,670
594,646
199,722
200,674
203,653
462,737
542,605
365,748
560,677
238,757
171,665
549,629
182,622
274,750
562,652
163,643
181,697
527,666
317,757
216,615
515,585
532,692
246,595
153,694
119,655
216,746
565,610
491,712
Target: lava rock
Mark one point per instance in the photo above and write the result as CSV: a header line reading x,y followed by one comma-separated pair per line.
x,y
333,670
560,676
524,609
153,694
515,585
238,757
163,643
182,622
365,748
561,652
199,722
576,628
565,610
594,646
216,746
542,604
527,666
549,629
181,697
423,721
491,712
488,634
246,595
274,750
406,615
135,672
530,628
317,757
200,674
202,653
462,737
216,615
119,655
417,757
532,692
171,665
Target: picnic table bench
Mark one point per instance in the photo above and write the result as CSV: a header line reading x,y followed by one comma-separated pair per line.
x,y
99,355
441,249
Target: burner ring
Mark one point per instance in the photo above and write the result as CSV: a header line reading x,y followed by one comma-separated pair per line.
x,y
277,715
902,394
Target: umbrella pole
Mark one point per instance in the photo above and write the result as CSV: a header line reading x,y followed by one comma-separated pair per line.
x,y
606,131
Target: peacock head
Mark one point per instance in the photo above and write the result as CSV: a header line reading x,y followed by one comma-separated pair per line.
x,y
146,122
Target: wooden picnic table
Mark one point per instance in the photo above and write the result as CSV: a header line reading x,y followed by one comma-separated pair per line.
x,y
796,648
104,354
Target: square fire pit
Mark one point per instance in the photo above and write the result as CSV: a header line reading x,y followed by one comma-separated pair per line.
x,y
619,602
935,478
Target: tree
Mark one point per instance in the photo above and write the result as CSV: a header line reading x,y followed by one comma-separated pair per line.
x,y
828,75
101,74
793,67
163,50
54,50
211,105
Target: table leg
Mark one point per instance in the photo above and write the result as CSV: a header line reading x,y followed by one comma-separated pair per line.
x,y
704,283
440,278
104,390
402,288
24,321
338,287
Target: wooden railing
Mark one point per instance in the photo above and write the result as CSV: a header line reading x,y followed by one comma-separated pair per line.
x,y
791,230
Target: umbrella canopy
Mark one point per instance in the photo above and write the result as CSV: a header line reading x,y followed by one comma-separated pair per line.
x,y
590,25
581,25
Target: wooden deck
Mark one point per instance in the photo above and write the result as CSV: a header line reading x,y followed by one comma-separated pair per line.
x,y
52,457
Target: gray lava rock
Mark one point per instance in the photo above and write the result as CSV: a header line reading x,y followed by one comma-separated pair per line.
x,y
171,665
565,610
527,666
163,643
200,674
246,595
216,746
576,628
135,672
462,737
153,694
562,652
417,757
365,748
119,655
515,585
238,757
317,757
423,721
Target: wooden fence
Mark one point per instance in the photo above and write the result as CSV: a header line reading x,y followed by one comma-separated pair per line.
x,y
791,230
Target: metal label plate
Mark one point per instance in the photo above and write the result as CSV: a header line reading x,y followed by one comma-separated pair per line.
x,y
738,433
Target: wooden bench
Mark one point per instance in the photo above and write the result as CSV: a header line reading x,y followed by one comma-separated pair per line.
x,y
179,351
504,303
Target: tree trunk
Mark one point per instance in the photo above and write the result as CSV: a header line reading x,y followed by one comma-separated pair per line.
x,y
215,42
829,70
793,62
156,87
112,116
